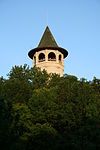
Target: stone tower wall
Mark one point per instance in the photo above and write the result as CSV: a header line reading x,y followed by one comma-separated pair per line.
x,y
45,59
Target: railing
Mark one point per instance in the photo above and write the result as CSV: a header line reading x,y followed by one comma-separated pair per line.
x,y
41,60
50,59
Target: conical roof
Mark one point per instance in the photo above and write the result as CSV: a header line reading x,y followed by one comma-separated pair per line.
x,y
47,42
47,39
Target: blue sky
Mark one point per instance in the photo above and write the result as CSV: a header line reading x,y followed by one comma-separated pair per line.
x,y
75,25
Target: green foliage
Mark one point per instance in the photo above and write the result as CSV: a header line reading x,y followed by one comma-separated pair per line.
x,y
43,111
38,78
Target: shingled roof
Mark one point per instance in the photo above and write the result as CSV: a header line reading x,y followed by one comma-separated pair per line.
x,y
47,39
47,42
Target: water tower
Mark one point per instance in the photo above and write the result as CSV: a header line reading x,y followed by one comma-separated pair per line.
x,y
48,55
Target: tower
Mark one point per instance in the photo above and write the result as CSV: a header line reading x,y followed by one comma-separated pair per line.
x,y
48,55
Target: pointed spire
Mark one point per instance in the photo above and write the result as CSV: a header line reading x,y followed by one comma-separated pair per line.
x,y
47,39
47,42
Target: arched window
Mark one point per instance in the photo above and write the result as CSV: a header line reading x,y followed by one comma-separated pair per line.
x,y
51,56
41,57
59,57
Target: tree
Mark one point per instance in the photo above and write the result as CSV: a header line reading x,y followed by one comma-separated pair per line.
x,y
46,111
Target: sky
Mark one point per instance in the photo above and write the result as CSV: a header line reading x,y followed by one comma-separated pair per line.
x,y
75,25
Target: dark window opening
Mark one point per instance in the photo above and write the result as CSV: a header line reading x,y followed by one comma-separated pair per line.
x,y
41,57
52,56
59,57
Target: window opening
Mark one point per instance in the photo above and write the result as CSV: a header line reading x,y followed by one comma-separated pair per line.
x,y
59,57
51,56
41,57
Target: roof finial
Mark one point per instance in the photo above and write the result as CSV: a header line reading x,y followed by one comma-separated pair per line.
x,y
47,17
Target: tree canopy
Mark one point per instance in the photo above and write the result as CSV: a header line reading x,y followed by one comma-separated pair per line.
x,y
40,111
